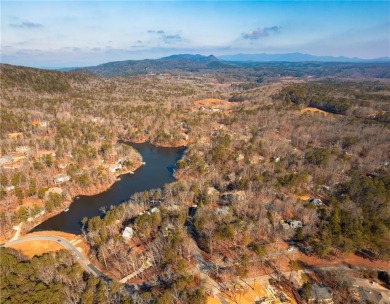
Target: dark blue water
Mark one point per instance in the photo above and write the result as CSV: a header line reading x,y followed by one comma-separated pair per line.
x,y
157,171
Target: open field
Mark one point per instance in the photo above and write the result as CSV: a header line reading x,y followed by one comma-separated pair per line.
x,y
214,104
40,247
33,248
313,110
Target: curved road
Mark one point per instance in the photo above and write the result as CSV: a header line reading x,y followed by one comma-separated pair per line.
x,y
64,243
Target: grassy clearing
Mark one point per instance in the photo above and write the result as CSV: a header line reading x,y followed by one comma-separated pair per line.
x,y
313,110
214,103
32,248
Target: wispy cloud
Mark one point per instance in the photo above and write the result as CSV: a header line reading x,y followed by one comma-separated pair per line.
x,y
167,38
261,33
160,32
26,24
170,39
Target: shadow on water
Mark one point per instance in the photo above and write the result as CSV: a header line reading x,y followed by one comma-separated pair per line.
x,y
180,153
158,171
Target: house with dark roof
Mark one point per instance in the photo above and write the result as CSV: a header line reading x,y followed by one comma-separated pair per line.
x,y
315,201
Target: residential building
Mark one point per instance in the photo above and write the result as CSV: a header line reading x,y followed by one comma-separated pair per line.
x,y
61,178
291,224
315,201
128,233
320,295
229,198
9,188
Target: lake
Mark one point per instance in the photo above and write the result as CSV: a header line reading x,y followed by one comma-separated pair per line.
x,y
157,172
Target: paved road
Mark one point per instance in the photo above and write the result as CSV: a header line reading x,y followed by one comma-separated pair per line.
x,y
17,228
64,243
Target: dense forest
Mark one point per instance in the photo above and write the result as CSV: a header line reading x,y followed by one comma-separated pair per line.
x,y
53,278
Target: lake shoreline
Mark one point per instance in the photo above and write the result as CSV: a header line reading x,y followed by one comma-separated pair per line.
x,y
182,144
100,197
90,192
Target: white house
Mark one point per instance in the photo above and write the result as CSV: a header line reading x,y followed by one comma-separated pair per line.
x,y
61,178
128,233
291,224
153,210
9,188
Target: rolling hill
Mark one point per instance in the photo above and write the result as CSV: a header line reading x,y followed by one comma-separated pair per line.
x,y
180,62
296,57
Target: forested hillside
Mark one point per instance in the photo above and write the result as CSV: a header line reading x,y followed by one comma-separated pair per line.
x,y
270,161
53,278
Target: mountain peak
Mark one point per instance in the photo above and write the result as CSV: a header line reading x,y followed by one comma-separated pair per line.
x,y
212,57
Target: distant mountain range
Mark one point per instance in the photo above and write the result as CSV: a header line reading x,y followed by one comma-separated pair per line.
x,y
270,65
295,57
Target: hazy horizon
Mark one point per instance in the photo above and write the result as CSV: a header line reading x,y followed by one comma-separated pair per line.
x,y
84,33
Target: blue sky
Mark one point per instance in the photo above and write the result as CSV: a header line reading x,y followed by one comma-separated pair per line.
x,y
80,33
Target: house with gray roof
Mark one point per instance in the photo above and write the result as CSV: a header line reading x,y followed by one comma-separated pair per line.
x,y
320,295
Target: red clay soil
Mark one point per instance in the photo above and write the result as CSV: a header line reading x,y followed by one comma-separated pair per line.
x,y
350,259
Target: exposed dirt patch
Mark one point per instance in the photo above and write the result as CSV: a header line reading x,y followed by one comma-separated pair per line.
x,y
313,110
249,295
355,260
212,300
33,248
76,240
214,103
350,259
303,197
